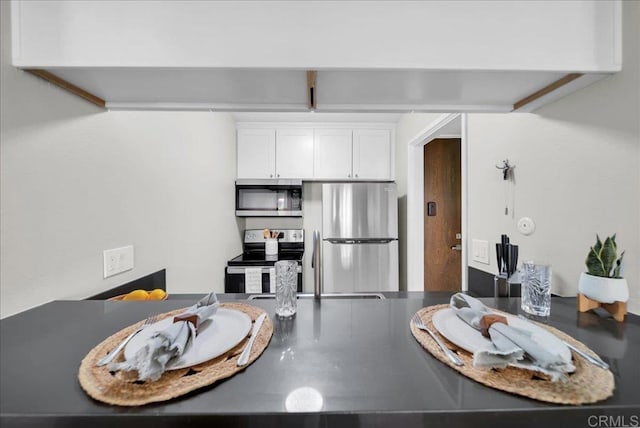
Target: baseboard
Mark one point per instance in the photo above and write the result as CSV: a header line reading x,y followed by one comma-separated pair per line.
x,y
150,282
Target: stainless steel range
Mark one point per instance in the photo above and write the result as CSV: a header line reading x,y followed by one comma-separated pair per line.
x,y
253,271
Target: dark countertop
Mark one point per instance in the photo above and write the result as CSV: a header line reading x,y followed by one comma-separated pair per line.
x,y
359,355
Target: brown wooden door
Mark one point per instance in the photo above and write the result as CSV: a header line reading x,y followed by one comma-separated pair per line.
x,y
442,221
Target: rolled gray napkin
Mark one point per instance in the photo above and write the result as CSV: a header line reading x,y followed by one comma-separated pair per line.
x,y
510,345
151,360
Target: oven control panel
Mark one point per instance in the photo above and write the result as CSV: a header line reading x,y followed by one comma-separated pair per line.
x,y
254,236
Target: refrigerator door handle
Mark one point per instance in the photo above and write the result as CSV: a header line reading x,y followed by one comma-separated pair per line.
x,y
316,265
360,241
313,250
343,241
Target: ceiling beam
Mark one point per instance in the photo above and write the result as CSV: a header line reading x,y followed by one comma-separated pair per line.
x,y
311,89
546,90
70,87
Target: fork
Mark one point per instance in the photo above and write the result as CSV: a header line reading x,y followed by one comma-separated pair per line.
x,y
111,355
452,357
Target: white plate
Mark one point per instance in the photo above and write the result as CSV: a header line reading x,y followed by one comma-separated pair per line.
x,y
216,336
468,338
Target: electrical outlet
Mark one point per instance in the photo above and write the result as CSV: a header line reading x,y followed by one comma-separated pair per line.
x,y
480,251
117,260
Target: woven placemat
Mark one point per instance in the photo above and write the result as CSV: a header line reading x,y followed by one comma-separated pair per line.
x,y
123,390
588,384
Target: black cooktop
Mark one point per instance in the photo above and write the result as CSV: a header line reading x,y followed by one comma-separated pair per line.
x,y
258,258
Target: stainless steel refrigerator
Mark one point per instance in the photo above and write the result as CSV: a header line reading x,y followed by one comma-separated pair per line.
x,y
359,237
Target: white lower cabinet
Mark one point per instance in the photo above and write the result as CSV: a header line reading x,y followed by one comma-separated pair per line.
x,y
333,154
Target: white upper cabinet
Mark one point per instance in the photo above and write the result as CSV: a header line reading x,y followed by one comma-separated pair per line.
x,y
333,154
256,155
372,154
320,153
294,153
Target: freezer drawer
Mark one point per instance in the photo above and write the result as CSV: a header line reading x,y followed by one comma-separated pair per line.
x,y
354,267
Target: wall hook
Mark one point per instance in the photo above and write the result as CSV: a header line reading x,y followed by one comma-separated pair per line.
x,y
506,169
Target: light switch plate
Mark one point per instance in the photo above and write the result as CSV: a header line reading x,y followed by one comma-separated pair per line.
x,y
117,260
480,251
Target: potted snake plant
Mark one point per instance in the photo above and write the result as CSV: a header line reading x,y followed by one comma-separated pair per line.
x,y
603,281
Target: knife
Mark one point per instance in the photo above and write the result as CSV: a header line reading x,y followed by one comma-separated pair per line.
x,y
507,253
499,257
513,260
504,240
507,259
595,360
244,356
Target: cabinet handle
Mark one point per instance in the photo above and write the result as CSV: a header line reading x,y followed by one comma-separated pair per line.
x,y
278,175
349,175
270,175
356,175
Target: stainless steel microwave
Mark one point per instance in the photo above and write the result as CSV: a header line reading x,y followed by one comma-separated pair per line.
x,y
269,198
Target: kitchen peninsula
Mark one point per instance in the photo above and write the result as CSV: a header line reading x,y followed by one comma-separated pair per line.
x,y
339,362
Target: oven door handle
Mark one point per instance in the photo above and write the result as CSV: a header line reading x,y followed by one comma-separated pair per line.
x,y
241,270
265,269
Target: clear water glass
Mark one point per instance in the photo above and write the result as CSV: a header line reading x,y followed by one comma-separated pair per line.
x,y
286,288
536,289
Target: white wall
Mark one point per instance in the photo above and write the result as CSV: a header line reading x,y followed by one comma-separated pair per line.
x,y
76,180
587,143
576,174
407,128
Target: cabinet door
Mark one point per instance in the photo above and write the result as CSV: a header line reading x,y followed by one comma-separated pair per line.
x,y
294,153
256,154
372,154
332,154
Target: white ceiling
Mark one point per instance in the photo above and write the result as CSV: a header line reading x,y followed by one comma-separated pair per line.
x,y
315,117
273,90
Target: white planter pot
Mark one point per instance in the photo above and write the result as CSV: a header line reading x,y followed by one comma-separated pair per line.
x,y
603,290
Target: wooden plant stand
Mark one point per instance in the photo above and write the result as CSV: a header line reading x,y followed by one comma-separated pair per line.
x,y
617,309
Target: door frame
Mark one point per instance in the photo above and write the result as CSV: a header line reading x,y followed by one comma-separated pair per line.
x,y
451,125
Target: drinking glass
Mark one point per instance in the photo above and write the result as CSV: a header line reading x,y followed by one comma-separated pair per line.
x,y
286,288
536,289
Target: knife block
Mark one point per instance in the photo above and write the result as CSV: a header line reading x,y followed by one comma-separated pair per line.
x,y
501,286
617,309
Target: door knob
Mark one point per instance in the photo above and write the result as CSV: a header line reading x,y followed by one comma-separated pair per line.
x,y
457,247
